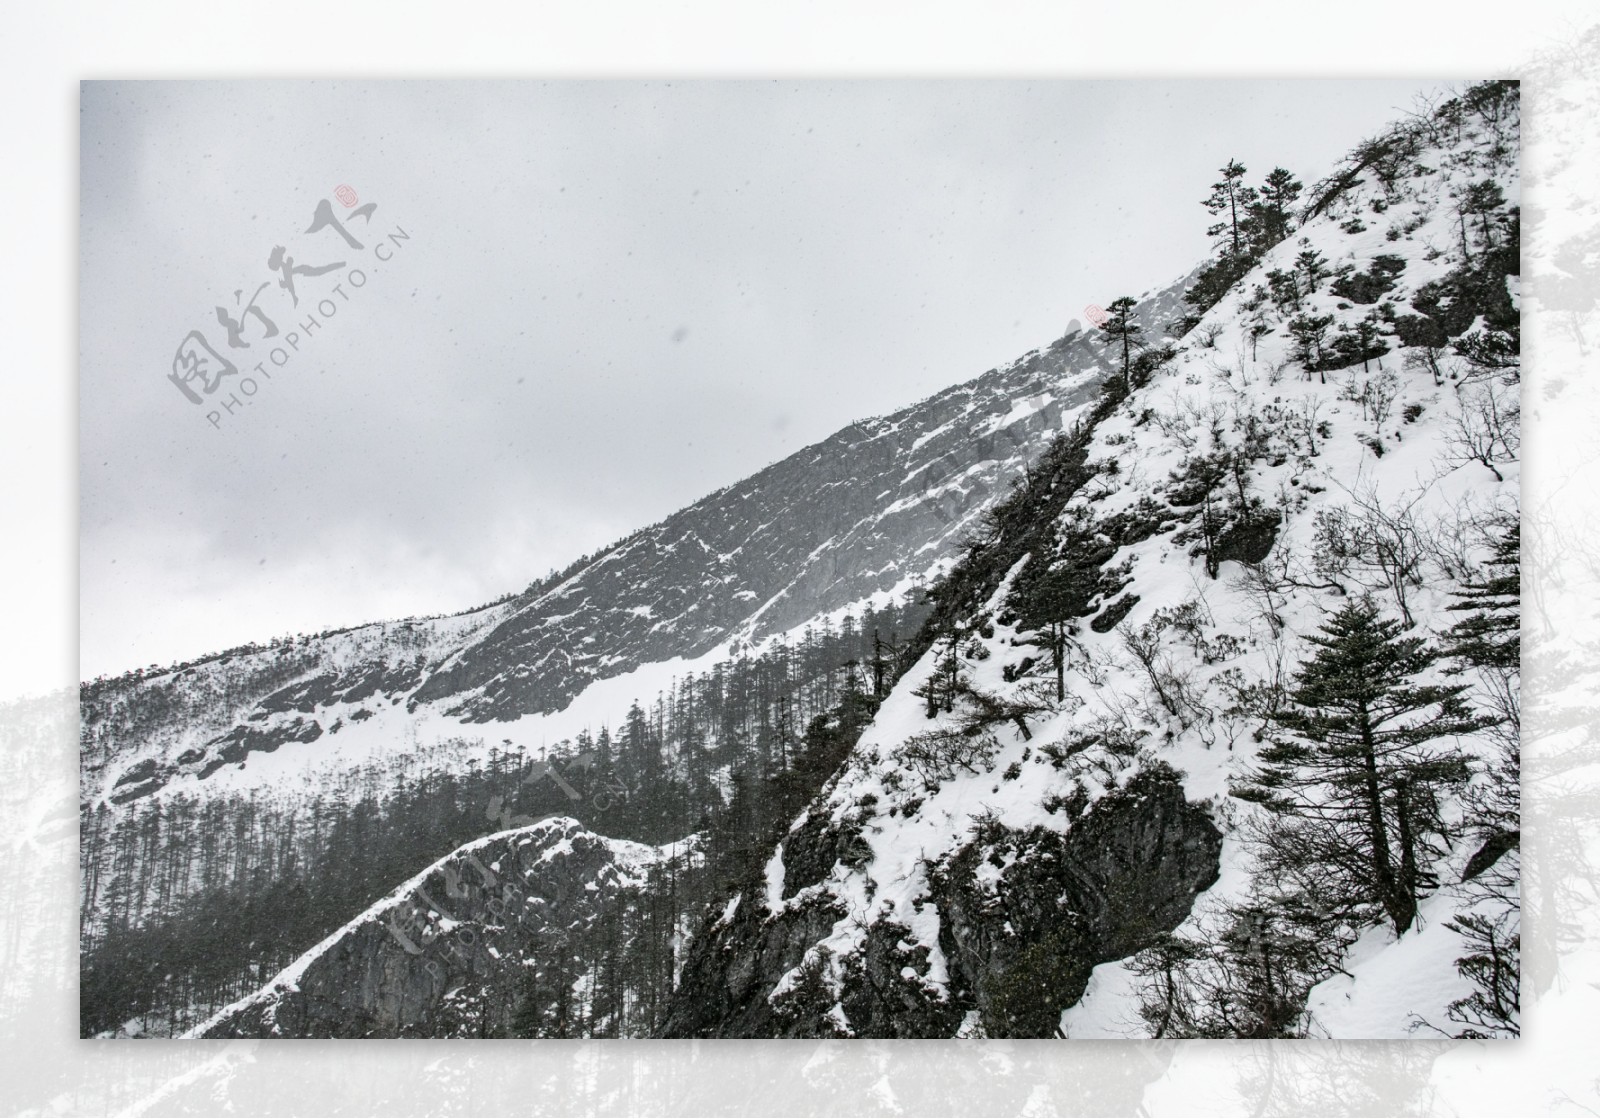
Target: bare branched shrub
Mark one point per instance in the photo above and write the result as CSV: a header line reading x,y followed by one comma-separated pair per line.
x,y
1381,393
1261,698
1307,422
1459,534
1379,547
1175,426
1117,730
1376,395
1174,688
1266,586
1209,415
1097,665
1424,359
1452,543
936,755
1488,429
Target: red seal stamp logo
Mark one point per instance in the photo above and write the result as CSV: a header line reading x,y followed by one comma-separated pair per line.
x,y
1095,314
346,194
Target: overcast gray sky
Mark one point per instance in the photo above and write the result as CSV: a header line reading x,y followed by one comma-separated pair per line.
x,y
614,298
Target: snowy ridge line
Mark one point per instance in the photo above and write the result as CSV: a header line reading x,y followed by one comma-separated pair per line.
x,y
298,769
287,980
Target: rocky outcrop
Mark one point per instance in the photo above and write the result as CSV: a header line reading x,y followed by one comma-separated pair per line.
x,y
1024,917
725,986
451,953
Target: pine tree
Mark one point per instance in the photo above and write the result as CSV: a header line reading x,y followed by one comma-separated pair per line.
x,y
1308,332
1481,200
1272,214
1313,266
1048,608
939,691
1252,222
528,1019
880,664
1231,200
1120,324
1356,780
1487,644
1490,635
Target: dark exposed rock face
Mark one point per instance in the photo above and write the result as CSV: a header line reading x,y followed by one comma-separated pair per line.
x,y
733,983
811,850
148,775
242,741
352,686
725,985
1020,936
884,997
139,780
446,955
855,514
1021,947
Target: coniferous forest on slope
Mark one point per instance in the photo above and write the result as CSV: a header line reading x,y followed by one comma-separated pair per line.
x,y
196,902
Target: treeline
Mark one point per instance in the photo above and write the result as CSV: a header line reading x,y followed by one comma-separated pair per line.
x,y
190,903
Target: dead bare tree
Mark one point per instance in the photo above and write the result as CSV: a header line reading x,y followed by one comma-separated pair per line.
x,y
1376,395
1266,586
1424,359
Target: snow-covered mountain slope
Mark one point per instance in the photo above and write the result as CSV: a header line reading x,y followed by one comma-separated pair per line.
x,y
1316,438
315,772
456,950
875,507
